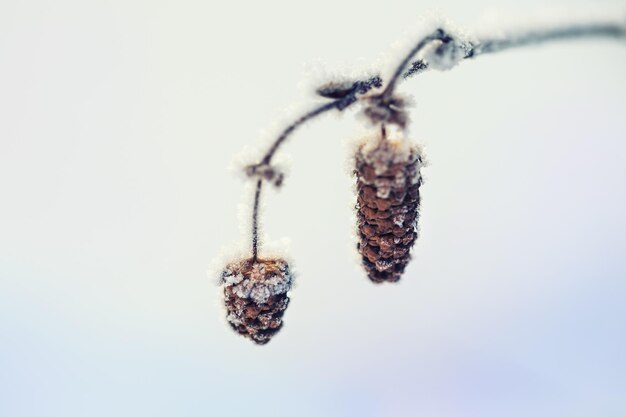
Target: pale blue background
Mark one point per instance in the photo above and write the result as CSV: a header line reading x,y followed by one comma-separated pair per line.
x,y
118,121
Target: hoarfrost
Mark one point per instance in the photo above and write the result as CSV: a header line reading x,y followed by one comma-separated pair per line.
x,y
383,265
442,55
232,279
398,150
258,272
400,180
398,219
279,285
260,294
260,282
243,289
265,319
234,319
383,188
386,243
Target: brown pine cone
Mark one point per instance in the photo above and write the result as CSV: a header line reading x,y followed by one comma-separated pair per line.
x,y
255,293
388,181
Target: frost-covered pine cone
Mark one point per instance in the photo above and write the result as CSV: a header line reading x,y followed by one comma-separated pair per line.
x,y
388,181
255,294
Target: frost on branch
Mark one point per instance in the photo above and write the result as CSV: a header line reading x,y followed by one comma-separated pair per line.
x,y
386,110
256,298
266,172
446,52
345,93
340,89
416,68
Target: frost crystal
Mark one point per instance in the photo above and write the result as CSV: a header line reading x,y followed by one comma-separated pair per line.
x,y
383,187
258,272
398,219
260,294
383,265
232,279
445,54
243,290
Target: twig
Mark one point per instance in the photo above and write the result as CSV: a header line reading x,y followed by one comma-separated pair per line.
x,y
610,30
255,220
470,50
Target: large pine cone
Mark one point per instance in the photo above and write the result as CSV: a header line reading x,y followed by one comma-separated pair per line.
x,y
255,293
388,181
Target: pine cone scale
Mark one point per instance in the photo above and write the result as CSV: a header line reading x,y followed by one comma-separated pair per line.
x,y
255,296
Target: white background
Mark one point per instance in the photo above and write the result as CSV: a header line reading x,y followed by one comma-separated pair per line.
x,y
118,123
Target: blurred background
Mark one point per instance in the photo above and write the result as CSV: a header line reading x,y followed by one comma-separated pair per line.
x,y
119,121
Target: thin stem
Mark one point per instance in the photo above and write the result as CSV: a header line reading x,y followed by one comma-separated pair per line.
x,y
610,30
292,127
388,92
267,159
255,220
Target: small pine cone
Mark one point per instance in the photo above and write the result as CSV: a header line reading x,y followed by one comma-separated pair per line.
x,y
255,293
388,181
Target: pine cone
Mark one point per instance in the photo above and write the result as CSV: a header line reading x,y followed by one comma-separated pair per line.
x,y
255,293
388,182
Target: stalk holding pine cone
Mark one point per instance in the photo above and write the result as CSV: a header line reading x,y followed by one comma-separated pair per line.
x,y
255,295
388,180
